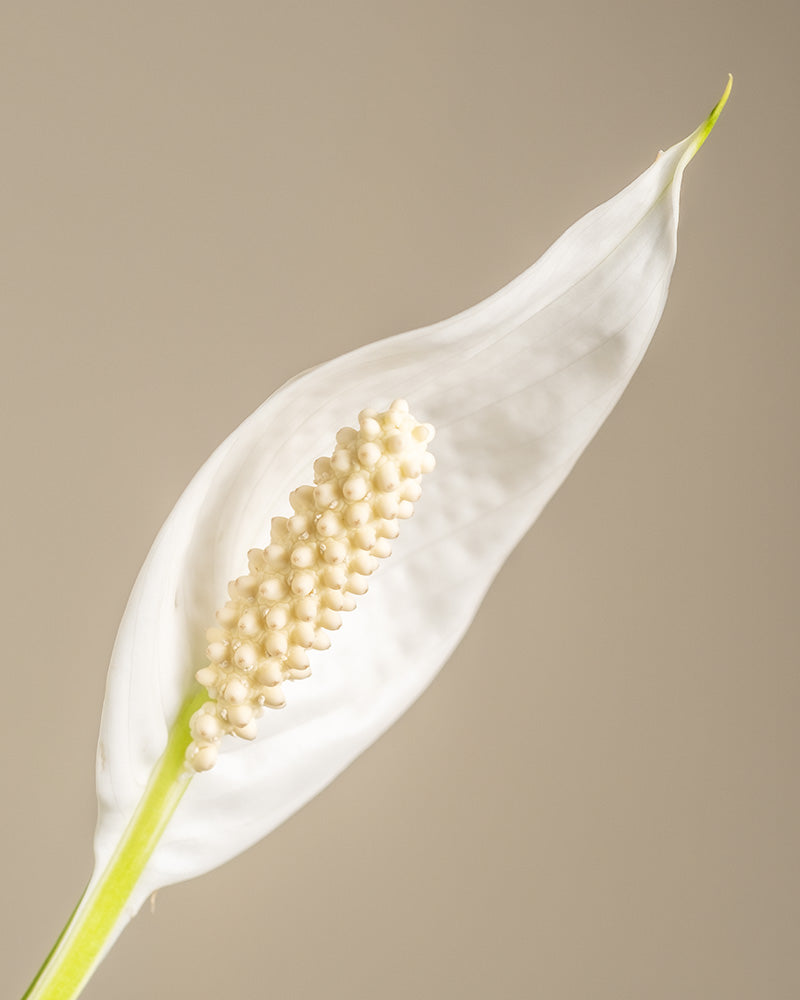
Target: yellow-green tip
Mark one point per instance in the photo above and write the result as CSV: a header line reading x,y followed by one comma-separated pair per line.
x,y
702,132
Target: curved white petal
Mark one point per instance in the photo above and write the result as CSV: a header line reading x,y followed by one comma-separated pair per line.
x,y
516,387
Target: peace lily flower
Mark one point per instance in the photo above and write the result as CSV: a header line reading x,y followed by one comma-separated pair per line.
x,y
516,387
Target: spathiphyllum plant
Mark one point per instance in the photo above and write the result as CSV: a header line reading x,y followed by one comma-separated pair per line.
x,y
253,573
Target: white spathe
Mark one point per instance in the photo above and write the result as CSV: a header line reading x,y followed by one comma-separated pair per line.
x,y
516,387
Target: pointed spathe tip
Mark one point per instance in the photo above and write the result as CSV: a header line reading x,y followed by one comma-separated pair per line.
x,y
702,132
716,111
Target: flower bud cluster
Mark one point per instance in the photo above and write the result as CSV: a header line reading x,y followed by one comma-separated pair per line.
x,y
316,564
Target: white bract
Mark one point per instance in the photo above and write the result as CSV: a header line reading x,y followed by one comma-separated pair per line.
x,y
516,387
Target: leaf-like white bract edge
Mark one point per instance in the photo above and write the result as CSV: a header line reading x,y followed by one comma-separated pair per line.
x,y
516,386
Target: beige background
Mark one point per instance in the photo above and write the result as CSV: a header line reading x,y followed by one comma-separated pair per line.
x,y
198,200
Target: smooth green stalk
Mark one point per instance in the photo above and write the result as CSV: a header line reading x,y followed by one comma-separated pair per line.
x,y
78,950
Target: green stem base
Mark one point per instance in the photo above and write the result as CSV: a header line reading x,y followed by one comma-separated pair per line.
x,y
82,943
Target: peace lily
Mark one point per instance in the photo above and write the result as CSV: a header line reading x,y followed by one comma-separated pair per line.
x,y
516,387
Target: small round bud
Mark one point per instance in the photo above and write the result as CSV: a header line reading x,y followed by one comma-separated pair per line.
x,y
217,652
201,758
369,454
306,609
386,478
206,677
279,530
363,563
391,420
228,616
364,537
341,462
334,552
388,529
334,576
274,697
240,715
410,490
423,433
346,436
297,658
326,495
330,620
302,499
333,599
246,585
248,732
269,672
256,561
358,514
249,624
303,634
302,556
386,506
382,549
299,524
277,616
272,589
246,656
205,726
235,692
276,644
355,489
357,584
302,583
370,429
329,524
322,470
277,555
396,444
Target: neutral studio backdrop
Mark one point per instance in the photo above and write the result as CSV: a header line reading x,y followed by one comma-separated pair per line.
x,y
199,200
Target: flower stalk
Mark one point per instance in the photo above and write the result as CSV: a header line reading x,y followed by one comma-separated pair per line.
x,y
85,938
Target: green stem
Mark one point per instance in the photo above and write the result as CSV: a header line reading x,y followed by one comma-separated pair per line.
x,y
80,947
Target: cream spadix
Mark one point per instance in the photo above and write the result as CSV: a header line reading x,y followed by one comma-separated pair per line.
x,y
516,386
316,563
